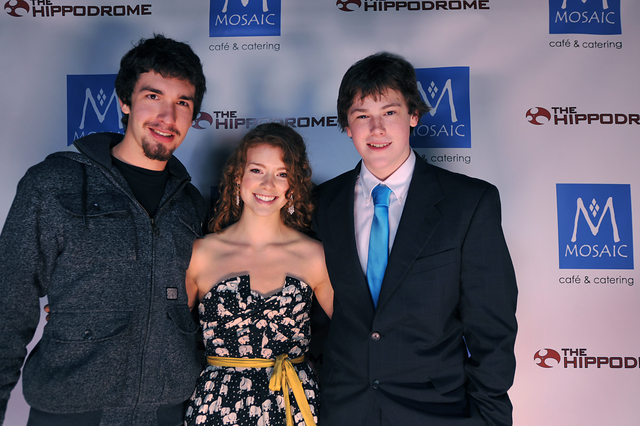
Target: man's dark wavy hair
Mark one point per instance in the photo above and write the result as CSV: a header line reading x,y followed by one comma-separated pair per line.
x,y
373,76
164,56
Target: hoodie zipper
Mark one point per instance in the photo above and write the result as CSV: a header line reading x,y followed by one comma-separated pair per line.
x,y
155,233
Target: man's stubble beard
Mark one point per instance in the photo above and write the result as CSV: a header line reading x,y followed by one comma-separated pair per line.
x,y
157,151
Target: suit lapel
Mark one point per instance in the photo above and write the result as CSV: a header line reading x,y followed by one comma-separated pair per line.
x,y
420,218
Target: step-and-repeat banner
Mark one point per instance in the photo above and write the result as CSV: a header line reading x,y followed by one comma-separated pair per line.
x,y
540,98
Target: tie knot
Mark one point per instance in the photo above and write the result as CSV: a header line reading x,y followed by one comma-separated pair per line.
x,y
380,195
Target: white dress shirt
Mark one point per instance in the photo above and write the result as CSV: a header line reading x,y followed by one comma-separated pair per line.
x,y
363,206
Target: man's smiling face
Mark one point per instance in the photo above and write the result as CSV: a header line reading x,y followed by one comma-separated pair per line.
x,y
160,115
380,128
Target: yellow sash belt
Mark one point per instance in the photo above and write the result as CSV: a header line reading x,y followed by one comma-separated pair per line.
x,y
283,377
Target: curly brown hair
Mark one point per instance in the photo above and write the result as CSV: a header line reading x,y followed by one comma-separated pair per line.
x,y
298,176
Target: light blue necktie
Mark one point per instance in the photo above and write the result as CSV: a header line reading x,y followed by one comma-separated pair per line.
x,y
378,241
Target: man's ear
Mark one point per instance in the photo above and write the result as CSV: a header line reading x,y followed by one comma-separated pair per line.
x,y
414,120
126,109
348,130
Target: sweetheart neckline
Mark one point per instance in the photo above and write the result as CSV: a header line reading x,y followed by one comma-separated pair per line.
x,y
248,277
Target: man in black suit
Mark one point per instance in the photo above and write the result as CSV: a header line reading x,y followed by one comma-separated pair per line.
x,y
433,343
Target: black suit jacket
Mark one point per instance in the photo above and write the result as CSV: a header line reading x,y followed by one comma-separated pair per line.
x,y
439,349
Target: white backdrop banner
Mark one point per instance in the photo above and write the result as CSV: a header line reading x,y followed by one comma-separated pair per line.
x,y
540,98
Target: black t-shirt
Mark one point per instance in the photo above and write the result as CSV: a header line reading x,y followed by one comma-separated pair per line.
x,y
146,185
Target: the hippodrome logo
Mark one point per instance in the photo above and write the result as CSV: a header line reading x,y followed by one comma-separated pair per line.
x,y
569,116
92,106
584,17
448,124
244,18
411,6
47,9
578,359
229,120
595,226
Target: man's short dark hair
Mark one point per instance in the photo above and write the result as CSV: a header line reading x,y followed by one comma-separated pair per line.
x,y
373,76
164,56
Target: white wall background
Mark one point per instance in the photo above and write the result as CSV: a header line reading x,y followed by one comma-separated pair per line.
x,y
512,68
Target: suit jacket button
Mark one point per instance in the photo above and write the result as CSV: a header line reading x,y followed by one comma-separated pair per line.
x,y
375,384
375,336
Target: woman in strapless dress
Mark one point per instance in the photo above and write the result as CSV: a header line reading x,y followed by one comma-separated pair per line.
x,y
254,277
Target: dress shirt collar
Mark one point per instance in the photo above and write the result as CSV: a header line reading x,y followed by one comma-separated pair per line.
x,y
398,182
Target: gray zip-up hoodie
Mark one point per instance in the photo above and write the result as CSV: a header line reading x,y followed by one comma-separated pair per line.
x,y
120,343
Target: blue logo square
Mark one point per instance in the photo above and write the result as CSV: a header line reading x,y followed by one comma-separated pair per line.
x,y
244,18
595,226
584,17
448,124
92,106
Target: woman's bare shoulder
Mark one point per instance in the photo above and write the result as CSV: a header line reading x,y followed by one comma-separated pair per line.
x,y
212,241
309,245
310,253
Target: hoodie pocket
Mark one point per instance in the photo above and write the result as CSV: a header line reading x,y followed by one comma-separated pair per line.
x,y
98,227
81,359
181,362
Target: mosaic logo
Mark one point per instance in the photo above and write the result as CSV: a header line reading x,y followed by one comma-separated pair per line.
x,y
411,6
92,106
584,17
578,359
448,124
17,8
595,226
569,116
244,18
544,358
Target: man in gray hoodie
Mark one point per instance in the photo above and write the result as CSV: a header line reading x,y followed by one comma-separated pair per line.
x,y
106,233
